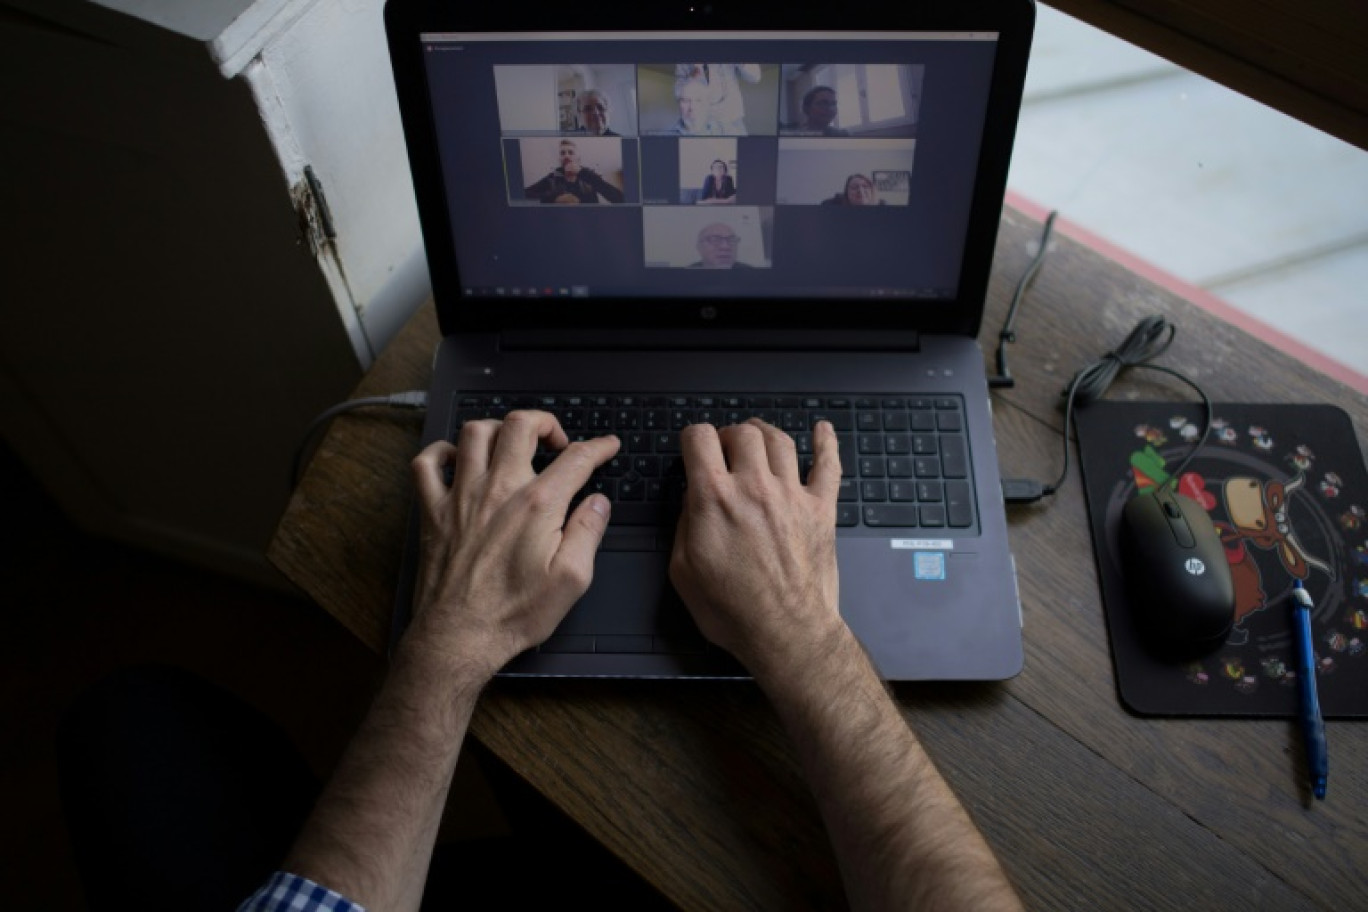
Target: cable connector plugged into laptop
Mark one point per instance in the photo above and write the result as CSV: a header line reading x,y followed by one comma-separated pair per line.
x,y
412,399
1022,491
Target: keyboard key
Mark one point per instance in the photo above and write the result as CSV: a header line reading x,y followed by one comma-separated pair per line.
x,y
871,467
840,420
641,513
847,514
959,508
881,515
899,467
933,515
873,490
954,460
901,491
846,446
949,421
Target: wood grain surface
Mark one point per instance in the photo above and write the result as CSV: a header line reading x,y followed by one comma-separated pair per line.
x,y
1089,807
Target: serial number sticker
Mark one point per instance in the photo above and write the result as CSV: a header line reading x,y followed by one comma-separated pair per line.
x,y
923,544
929,565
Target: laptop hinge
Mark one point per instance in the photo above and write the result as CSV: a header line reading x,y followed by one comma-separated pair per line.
x,y
709,340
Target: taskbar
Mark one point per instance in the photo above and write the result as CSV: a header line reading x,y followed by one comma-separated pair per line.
x,y
720,290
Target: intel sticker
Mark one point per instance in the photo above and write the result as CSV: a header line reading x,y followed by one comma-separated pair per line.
x,y
929,565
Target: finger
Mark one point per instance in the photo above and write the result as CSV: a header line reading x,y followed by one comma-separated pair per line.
x,y
704,466
825,478
781,451
518,439
429,470
744,447
574,559
474,447
570,471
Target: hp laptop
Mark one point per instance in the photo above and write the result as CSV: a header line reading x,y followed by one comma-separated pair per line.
x,y
635,242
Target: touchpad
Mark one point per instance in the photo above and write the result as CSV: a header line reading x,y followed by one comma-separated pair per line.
x,y
631,594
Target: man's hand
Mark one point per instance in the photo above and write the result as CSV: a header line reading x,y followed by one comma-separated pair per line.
x,y
755,553
501,564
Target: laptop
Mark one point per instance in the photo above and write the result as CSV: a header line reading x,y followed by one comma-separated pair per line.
x,y
635,243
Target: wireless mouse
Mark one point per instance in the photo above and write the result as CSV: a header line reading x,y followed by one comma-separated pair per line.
x,y
1178,582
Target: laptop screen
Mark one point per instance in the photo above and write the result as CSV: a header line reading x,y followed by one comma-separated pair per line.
x,y
837,165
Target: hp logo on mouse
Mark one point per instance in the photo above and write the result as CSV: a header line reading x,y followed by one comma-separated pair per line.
x,y
1194,566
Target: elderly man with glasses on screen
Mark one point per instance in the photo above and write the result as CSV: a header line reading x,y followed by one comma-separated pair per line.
x,y
717,246
593,114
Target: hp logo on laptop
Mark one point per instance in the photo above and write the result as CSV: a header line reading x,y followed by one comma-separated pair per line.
x,y
1194,566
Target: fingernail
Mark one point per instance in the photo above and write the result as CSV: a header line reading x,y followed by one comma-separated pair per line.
x,y
600,505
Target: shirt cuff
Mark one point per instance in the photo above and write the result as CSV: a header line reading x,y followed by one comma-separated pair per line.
x,y
286,892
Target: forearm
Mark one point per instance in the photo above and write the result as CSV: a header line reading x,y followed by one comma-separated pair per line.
x,y
900,836
370,836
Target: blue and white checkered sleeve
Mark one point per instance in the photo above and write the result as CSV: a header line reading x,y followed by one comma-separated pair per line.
x,y
286,892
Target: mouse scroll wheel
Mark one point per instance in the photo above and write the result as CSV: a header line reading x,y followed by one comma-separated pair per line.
x,y
1172,510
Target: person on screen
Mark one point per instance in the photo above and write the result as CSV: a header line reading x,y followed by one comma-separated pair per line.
x,y
593,113
717,247
718,187
819,111
692,95
721,81
572,183
859,191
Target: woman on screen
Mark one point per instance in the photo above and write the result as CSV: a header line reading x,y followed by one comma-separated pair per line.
x,y
718,187
859,191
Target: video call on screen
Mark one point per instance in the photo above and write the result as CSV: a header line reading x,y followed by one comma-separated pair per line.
x,y
605,168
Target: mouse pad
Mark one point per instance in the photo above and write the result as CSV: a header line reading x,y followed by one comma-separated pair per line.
x,y
1286,488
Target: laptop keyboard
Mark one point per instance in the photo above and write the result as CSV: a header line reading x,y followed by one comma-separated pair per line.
x,y
904,459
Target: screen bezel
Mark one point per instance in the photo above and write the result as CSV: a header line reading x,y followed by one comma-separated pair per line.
x,y
1013,20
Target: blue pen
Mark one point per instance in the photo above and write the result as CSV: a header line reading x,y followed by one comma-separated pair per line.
x,y
1313,726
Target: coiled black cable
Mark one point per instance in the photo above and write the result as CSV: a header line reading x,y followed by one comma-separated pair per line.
x,y
1150,338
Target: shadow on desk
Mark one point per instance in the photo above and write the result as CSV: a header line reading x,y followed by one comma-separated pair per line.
x,y
76,608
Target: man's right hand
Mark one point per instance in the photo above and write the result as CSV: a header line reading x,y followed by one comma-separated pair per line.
x,y
755,553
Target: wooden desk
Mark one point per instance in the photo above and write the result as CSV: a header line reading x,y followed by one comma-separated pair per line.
x,y
695,786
